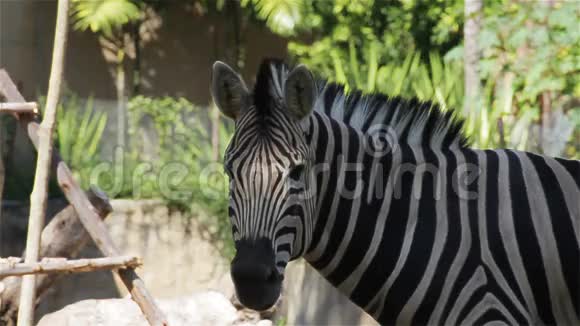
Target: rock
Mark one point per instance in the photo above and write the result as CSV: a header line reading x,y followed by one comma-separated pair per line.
x,y
108,312
203,308
263,322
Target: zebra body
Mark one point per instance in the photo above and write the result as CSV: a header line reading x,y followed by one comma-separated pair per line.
x,y
386,200
441,252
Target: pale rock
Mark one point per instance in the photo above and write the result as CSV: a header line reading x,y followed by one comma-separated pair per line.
x,y
203,308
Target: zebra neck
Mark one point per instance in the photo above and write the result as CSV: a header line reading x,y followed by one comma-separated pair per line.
x,y
354,197
343,167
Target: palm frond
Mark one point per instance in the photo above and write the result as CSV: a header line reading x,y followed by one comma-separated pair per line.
x,y
103,16
281,16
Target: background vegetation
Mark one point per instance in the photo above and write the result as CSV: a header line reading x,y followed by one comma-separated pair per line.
x,y
529,63
527,85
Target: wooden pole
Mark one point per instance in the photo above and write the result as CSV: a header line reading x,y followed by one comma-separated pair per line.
x,y
63,265
41,178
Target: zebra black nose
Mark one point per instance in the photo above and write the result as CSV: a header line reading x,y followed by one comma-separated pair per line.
x,y
254,273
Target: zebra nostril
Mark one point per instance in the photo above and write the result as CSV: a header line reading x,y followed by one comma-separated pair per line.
x,y
266,273
271,275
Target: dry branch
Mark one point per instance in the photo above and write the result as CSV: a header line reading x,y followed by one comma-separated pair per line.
x,y
63,265
28,107
41,177
9,89
64,236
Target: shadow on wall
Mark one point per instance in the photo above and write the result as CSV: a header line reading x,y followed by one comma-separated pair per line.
x,y
311,300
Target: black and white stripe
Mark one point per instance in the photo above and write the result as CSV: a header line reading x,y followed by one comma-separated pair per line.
x,y
423,230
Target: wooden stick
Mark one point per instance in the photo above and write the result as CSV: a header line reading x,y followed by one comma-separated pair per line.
x,y
64,236
40,189
63,265
86,211
100,235
9,89
28,107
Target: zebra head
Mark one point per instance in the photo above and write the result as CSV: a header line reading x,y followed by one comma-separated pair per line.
x,y
268,162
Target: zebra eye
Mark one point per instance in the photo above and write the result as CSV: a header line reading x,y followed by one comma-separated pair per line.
x,y
296,172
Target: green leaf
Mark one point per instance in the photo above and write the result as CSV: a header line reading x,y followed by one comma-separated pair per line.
x,y
103,16
518,38
488,39
373,67
281,16
354,64
338,68
564,16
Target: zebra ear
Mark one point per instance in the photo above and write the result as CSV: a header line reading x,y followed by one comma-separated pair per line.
x,y
228,90
300,92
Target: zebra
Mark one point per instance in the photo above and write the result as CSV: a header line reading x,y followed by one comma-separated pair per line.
x,y
384,197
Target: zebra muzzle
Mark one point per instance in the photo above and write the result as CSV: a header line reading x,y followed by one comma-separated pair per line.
x,y
256,279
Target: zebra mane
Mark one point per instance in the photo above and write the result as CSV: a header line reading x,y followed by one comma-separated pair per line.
x,y
411,121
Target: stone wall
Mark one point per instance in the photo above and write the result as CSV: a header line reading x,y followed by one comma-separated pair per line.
x,y
178,260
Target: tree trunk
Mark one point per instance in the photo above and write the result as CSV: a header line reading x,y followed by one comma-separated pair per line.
x,y
545,100
113,50
545,120
236,10
215,133
214,111
121,105
473,20
2,174
136,38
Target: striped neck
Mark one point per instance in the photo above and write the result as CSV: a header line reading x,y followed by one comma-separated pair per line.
x,y
357,187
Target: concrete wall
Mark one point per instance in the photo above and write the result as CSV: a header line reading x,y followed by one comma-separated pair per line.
x,y
178,260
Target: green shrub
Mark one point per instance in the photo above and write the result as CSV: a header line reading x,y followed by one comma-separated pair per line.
x,y
530,59
503,116
172,157
78,136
